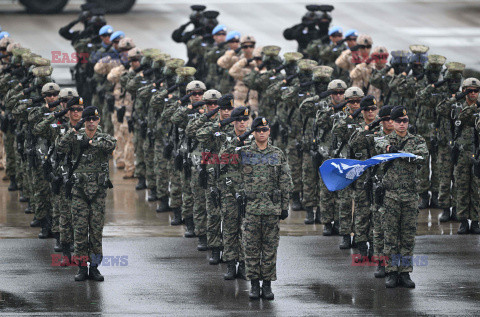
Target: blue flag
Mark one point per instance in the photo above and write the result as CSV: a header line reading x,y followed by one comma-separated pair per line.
x,y
338,173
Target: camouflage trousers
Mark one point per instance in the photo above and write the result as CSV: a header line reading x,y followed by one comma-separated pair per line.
x,y
140,168
428,183
187,196
310,181
363,213
295,163
466,188
330,204
42,194
345,211
88,218
378,215
175,186
446,191
161,169
2,152
28,181
232,235
19,173
124,150
199,203
65,222
214,222
56,213
10,151
400,228
148,155
260,236
107,123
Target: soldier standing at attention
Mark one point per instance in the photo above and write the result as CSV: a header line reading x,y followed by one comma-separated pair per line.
x,y
89,149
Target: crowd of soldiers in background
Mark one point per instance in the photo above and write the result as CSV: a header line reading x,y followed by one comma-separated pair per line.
x,y
172,119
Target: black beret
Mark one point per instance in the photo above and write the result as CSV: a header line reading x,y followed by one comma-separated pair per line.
x,y
397,112
225,101
385,111
211,14
368,101
75,101
259,122
90,112
240,112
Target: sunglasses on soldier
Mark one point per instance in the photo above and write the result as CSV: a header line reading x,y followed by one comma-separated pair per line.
x,y
92,118
242,119
75,109
353,101
210,103
404,120
221,33
265,129
51,94
197,93
248,46
475,90
372,109
338,92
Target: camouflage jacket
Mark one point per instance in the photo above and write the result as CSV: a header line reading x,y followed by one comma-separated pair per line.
x,y
343,128
430,124
465,133
289,115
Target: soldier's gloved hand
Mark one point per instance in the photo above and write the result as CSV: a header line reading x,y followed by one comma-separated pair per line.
x,y
224,122
392,149
84,143
60,114
79,125
212,113
198,104
284,214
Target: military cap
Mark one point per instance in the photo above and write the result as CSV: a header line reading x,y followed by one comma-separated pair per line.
x,y
233,35
90,112
151,52
40,81
368,101
225,102
12,46
195,85
364,39
271,50
67,93
126,44
174,63
117,36
240,113
385,111
247,39
418,58
306,64
455,67
397,112
5,42
257,52
399,57
50,87
185,71
105,65
20,51
219,28
418,48
42,71
337,84
75,100
211,94
471,82
335,30
159,60
105,30
380,50
198,7
4,34
40,61
435,62
354,92
134,53
322,72
211,14
292,57
351,33
259,122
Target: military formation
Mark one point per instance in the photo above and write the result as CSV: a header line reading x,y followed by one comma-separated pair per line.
x,y
230,140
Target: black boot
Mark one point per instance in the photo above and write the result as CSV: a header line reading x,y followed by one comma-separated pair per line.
x,y
346,244
35,223
296,204
29,209
94,274
82,274
177,217
445,215
424,197
379,271
231,271
354,242
310,216
13,184
267,290
190,232
254,289
474,228
58,245
153,194
327,229
391,280
241,271
318,216
66,255
363,249
463,227
370,251
434,200
45,233
202,243
405,280
215,256
454,214
141,184
22,198
163,205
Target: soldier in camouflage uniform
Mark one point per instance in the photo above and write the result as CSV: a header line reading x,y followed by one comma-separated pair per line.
x,y
263,178
89,149
226,82
329,53
401,198
212,55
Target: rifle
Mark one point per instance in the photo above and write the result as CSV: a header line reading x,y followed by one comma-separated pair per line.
x,y
441,82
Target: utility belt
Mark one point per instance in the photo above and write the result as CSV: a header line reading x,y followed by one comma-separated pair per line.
x,y
275,196
97,176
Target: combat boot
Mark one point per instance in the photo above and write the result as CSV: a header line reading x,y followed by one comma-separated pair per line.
x,y
35,223
345,244
94,274
354,243
379,271
22,198
141,184
58,245
163,205
29,209
310,216
474,228
405,280
434,200
391,280
13,184
445,215
177,217
370,251
463,227
241,271
190,232
202,243
363,249
318,216
82,274
423,200
215,256
296,204
327,229
267,290
153,194
45,233
254,289
66,255
231,271
454,214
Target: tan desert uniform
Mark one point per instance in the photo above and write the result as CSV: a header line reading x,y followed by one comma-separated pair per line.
x,y
344,61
